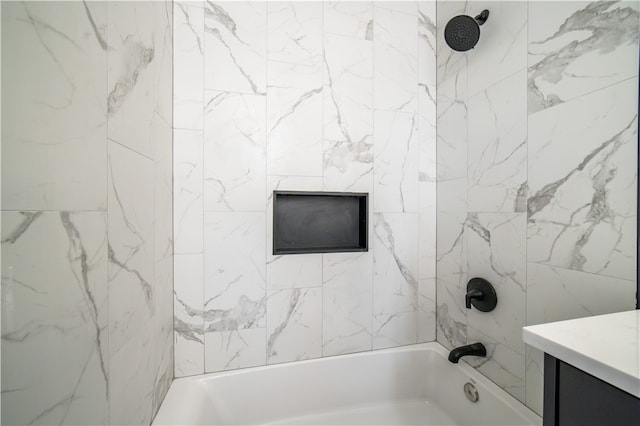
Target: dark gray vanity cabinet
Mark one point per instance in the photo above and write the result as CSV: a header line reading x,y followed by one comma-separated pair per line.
x,y
573,397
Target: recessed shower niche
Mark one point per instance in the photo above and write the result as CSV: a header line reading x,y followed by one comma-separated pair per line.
x,y
319,222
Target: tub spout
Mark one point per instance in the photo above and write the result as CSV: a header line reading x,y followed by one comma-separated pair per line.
x,y
475,349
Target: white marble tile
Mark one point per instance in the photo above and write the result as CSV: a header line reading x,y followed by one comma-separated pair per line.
x,y
293,271
294,32
395,269
348,166
577,47
235,35
163,165
188,193
163,32
348,91
395,59
131,374
582,204
449,62
451,213
188,64
131,245
294,130
348,116
131,61
427,196
451,127
534,373
286,75
427,116
191,3
294,324
427,65
188,314
164,333
54,131
349,18
290,271
118,361
427,310
497,151
451,262
395,144
234,271
234,152
163,193
427,230
427,135
427,34
502,48
228,350
132,290
54,317
404,6
555,294
502,365
496,251
163,378
347,297
451,315
164,373
163,202
394,329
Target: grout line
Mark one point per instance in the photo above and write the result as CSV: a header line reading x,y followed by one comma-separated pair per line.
x,y
266,185
173,238
419,155
107,183
526,227
322,184
435,260
463,241
373,175
202,174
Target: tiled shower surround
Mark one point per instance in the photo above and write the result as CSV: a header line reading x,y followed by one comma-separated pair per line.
x,y
534,135
536,154
87,256
301,96
536,176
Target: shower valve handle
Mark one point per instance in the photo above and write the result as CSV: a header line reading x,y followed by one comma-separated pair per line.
x,y
476,294
481,295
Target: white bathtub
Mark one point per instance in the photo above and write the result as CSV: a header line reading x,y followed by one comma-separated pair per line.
x,y
409,385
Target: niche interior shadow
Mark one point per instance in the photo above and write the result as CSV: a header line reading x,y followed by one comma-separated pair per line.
x,y
319,222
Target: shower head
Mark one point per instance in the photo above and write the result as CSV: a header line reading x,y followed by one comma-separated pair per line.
x,y
463,32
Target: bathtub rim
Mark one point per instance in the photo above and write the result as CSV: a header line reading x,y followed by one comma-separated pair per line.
x,y
190,384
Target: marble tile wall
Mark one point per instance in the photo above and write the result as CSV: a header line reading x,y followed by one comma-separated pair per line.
x,y
535,128
335,96
87,238
536,192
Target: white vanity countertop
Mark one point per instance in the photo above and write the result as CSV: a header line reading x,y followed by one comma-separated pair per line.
x,y
605,346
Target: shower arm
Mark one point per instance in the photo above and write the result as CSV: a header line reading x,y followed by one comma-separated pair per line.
x,y
482,17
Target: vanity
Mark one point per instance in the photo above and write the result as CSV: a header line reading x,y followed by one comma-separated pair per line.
x,y
591,369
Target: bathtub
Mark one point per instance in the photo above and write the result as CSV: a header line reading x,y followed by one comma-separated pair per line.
x,y
408,385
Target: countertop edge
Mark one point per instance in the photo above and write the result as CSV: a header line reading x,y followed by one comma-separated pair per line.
x,y
605,372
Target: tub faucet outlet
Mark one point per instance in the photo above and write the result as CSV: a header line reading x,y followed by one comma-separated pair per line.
x,y
475,349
